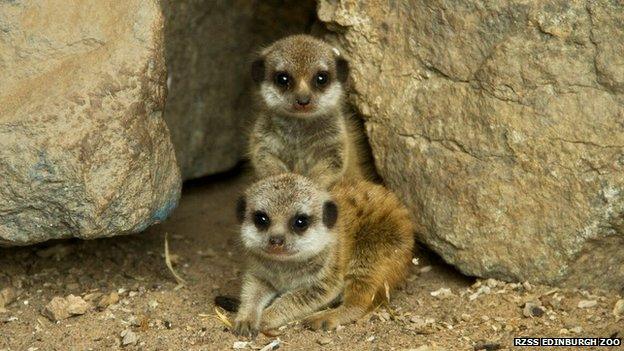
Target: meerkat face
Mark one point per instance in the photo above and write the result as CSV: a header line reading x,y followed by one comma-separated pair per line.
x,y
301,76
286,218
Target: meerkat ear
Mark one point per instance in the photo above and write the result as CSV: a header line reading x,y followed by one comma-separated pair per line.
x,y
330,213
241,207
342,69
257,70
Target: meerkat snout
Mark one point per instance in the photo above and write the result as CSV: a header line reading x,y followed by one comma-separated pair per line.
x,y
300,76
276,241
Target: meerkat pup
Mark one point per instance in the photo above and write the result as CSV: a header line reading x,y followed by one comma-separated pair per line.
x,y
306,248
300,125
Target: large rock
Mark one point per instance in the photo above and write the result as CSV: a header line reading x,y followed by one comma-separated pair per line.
x,y
84,151
501,125
208,47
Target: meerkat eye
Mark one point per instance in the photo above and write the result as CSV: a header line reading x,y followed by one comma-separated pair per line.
x,y
261,220
282,79
321,79
300,223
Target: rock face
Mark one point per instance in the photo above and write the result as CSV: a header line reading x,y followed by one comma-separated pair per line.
x,y
501,125
84,151
208,49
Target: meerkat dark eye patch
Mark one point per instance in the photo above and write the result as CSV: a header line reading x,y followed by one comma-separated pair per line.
x,y
321,79
282,79
330,214
261,220
299,223
342,69
241,205
257,70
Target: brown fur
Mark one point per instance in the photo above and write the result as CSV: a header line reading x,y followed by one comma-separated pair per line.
x,y
322,143
367,253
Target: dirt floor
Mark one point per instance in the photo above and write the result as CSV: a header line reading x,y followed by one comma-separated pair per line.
x,y
129,291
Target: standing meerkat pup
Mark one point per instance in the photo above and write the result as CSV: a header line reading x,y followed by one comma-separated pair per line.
x,y
301,126
307,248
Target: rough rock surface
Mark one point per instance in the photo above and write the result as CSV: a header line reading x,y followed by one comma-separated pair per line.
x,y
208,50
84,151
501,125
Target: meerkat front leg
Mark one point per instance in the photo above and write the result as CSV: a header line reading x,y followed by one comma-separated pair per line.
x,y
255,296
266,163
297,304
329,169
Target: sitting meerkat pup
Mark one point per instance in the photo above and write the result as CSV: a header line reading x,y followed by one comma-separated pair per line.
x,y
300,124
307,249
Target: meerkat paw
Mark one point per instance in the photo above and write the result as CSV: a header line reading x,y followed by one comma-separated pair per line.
x,y
246,327
271,320
323,320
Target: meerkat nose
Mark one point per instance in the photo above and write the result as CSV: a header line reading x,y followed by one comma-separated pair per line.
x,y
276,240
303,100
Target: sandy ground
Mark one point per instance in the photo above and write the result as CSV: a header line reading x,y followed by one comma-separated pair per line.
x,y
137,296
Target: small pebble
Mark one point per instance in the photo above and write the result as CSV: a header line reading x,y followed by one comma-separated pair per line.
x,y
8,319
428,348
442,293
618,310
273,345
128,337
239,345
587,303
492,283
384,316
323,341
553,301
107,300
483,289
60,308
